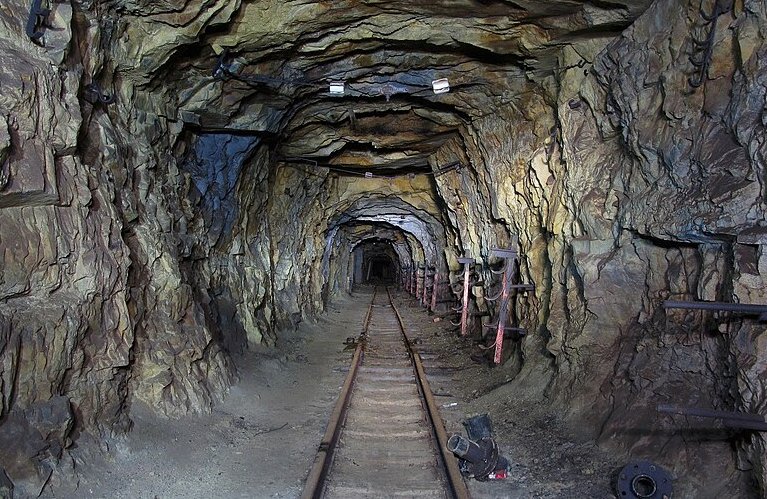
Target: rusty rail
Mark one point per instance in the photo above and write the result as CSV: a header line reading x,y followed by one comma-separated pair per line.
x,y
449,462
317,475
315,482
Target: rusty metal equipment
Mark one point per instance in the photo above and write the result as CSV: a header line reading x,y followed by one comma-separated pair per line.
x,y
450,167
644,480
419,280
718,306
405,277
482,458
434,292
508,285
428,283
743,420
479,455
467,263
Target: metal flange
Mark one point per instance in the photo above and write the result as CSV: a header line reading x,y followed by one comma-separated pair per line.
x,y
644,480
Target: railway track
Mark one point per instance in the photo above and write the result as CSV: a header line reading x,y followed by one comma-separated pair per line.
x,y
385,437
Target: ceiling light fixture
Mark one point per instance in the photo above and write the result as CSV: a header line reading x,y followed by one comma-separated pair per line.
x,y
440,86
336,88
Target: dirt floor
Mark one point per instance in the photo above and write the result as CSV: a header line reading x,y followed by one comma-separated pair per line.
x,y
261,440
548,459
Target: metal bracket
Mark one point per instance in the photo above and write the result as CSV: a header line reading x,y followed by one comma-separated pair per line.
x,y
507,329
450,167
503,253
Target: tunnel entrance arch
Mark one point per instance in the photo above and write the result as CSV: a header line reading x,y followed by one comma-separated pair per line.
x,y
375,261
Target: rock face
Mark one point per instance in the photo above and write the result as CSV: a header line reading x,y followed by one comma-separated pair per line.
x,y
177,184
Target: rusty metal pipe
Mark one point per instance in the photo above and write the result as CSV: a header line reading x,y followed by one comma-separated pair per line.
x,y
467,262
465,449
709,413
742,308
502,315
434,288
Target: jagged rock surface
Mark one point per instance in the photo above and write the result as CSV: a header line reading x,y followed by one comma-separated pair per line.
x,y
220,197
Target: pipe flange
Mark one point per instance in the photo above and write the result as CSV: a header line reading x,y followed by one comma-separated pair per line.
x,y
644,480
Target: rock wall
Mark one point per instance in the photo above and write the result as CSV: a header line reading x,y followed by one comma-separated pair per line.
x,y
158,217
103,287
628,186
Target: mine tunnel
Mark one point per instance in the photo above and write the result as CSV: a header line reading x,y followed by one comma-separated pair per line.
x,y
375,261
208,210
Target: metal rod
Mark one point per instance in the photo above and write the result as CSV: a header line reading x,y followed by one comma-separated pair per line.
x,y
502,315
467,262
743,308
710,413
743,424
435,287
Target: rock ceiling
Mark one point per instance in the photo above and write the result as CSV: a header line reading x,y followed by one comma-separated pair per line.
x,y
149,238
264,67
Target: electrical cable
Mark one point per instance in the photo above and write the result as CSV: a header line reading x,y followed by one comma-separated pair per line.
x,y
454,166
223,71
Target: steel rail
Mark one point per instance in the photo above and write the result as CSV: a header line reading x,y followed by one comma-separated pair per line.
x,y
315,481
447,459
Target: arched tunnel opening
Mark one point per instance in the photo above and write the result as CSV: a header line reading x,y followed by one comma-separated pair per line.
x,y
375,261
204,204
